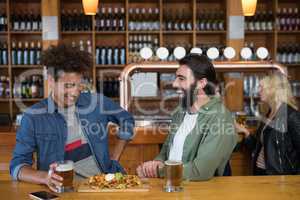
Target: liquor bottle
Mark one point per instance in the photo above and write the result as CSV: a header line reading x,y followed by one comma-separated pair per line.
x,y
81,47
102,19
4,60
108,20
34,87
176,22
121,20
20,57
297,27
35,21
64,21
14,56
89,46
283,20
69,21
168,19
116,56
3,21
103,55
28,20
2,86
26,57
28,88
201,20
32,54
208,21
38,53
15,22
122,52
97,55
17,88
270,20
109,52
132,20
23,87
7,89
115,26
40,86
222,18
22,22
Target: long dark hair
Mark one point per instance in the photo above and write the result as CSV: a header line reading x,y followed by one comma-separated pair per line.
x,y
202,67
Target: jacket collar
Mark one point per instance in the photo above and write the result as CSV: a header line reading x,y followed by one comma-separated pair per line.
x,y
206,107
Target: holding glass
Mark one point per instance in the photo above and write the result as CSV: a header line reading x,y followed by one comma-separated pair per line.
x,y
173,176
65,169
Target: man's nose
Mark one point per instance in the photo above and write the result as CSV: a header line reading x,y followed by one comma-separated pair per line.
x,y
175,84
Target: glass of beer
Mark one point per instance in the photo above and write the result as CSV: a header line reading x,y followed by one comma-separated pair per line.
x,y
241,118
173,176
65,169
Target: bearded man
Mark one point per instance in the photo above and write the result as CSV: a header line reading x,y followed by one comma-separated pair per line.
x,y
202,134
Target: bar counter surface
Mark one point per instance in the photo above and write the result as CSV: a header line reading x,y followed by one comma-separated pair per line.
x,y
229,188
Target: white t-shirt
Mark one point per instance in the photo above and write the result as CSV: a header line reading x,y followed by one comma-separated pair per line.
x,y
185,128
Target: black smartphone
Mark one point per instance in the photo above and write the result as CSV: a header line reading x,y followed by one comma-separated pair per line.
x,y
42,195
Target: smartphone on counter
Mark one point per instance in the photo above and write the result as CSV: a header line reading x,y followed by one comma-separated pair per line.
x,y
42,195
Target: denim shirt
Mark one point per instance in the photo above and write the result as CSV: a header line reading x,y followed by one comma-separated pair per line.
x,y
43,130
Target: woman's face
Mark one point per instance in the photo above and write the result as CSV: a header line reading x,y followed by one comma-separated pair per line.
x,y
262,92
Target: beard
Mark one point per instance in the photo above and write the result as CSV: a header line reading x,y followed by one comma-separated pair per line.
x,y
189,97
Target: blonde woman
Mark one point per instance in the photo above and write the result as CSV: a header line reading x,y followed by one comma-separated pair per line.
x,y
276,145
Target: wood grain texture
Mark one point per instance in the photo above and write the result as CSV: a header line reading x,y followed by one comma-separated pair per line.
x,y
233,188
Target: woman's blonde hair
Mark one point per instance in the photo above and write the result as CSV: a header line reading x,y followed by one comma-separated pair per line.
x,y
278,90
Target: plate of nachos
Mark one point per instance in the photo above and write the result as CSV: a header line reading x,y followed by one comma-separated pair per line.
x,y
117,182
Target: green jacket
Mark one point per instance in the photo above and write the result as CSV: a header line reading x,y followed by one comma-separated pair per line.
x,y
208,147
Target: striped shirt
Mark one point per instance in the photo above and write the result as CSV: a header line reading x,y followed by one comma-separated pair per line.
x,y
76,148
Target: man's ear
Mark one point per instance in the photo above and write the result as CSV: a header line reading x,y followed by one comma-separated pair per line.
x,y
51,82
201,83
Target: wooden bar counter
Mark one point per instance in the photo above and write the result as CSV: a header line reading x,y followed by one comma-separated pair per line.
x,y
228,188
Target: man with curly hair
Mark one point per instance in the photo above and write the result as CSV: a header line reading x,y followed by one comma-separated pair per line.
x,y
68,125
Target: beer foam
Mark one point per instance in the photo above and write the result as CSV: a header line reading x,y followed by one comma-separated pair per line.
x,y
68,166
173,162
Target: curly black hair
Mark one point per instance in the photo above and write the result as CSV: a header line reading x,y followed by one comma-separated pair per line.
x,y
66,58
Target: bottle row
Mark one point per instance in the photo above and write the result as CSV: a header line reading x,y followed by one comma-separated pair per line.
x,y
4,87
83,45
110,55
288,19
3,21
110,19
26,53
72,20
28,87
23,87
261,21
210,20
295,88
251,86
109,86
142,19
137,42
25,21
288,53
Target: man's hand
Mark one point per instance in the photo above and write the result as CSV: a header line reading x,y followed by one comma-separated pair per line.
x,y
149,169
53,180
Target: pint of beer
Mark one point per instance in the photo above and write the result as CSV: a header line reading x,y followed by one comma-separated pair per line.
x,y
65,169
173,176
